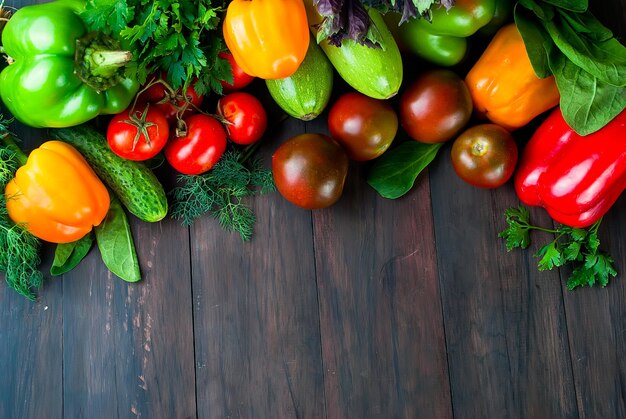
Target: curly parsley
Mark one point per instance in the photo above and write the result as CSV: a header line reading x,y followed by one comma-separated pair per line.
x,y
180,38
576,246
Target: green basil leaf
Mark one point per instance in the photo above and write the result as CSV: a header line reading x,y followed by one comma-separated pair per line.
x,y
68,255
116,245
394,173
587,103
577,6
605,60
535,37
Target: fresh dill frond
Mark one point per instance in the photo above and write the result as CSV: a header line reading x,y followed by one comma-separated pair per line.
x,y
221,192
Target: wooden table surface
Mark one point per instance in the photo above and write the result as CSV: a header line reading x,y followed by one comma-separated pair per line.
x,y
370,309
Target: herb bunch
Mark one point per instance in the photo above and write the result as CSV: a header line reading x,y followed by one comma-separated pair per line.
x,y
348,19
19,250
221,191
564,39
575,246
180,38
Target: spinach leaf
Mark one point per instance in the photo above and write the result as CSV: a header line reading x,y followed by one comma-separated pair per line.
x,y
68,255
577,6
394,173
534,37
605,60
586,24
116,245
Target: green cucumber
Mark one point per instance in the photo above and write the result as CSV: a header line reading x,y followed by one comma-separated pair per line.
x,y
133,183
305,94
375,72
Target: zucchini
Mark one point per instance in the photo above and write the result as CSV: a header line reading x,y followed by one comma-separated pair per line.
x,y
375,72
133,183
305,94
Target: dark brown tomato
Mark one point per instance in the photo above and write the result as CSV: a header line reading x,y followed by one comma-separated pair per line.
x,y
310,170
485,156
436,107
365,127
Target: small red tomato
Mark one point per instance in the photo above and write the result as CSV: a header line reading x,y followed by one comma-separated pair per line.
x,y
171,103
310,170
436,107
201,147
138,136
485,156
245,117
240,78
365,127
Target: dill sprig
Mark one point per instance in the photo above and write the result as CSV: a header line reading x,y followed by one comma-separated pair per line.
x,y
19,250
221,192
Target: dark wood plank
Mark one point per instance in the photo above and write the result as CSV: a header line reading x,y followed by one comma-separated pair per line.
x,y
596,318
505,323
128,348
380,309
256,312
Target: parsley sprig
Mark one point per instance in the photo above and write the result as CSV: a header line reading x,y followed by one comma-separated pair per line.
x,y
221,192
181,38
575,246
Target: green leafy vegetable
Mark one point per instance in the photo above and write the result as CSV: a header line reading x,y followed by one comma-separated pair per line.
x,y
575,246
181,38
116,245
19,250
68,255
394,173
220,192
564,39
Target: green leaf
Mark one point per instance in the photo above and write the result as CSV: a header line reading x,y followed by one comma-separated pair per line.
x,y
604,60
550,257
116,245
587,103
535,39
577,6
585,24
394,173
68,255
571,252
517,234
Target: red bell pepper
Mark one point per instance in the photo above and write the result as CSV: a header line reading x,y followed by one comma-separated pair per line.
x,y
575,178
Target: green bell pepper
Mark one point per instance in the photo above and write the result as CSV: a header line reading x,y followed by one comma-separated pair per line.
x,y
443,39
59,74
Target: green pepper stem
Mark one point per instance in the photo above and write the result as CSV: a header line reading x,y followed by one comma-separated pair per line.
x,y
104,63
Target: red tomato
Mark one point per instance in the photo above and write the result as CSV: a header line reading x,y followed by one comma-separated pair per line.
x,y
245,116
436,107
170,103
240,78
310,170
365,127
200,149
139,136
485,156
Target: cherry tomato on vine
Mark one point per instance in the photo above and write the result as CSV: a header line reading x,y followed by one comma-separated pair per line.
x,y
172,102
240,78
201,147
436,107
365,127
138,136
310,170
485,156
245,116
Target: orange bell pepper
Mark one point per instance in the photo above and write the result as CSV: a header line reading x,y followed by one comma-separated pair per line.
x,y
504,86
56,195
268,38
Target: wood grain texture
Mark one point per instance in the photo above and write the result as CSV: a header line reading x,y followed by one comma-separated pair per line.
x,y
128,348
256,313
379,303
505,323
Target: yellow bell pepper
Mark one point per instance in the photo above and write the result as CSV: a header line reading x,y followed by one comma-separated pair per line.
x,y
56,195
504,86
268,38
